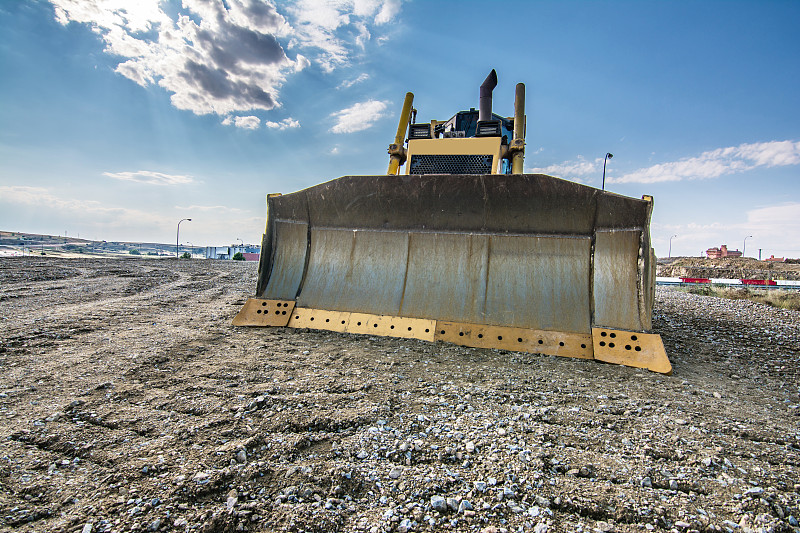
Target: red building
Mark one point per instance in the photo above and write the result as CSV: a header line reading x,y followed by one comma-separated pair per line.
x,y
722,251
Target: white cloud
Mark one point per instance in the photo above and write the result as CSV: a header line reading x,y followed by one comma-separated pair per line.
x,y
778,225
719,162
575,170
287,123
222,208
389,10
211,225
226,57
349,83
40,197
248,123
359,116
150,178
333,28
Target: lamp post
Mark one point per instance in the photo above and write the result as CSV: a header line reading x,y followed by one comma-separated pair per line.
x,y
608,156
670,247
744,244
178,236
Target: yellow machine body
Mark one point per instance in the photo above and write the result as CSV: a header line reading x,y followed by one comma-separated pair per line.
x,y
475,147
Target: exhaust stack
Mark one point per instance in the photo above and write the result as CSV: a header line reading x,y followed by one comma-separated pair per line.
x,y
485,103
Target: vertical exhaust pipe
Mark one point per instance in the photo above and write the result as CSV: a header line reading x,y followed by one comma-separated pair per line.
x,y
485,103
518,143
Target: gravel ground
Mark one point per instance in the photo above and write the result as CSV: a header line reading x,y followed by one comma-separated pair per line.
x,y
128,402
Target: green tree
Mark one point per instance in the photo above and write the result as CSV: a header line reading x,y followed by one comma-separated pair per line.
x,y
186,255
238,256
135,252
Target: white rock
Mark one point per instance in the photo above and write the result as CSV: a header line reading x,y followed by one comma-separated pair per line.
x,y
230,503
438,503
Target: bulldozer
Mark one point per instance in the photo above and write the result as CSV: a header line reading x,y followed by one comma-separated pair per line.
x,y
455,243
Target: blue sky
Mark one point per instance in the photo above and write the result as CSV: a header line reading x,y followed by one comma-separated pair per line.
x,y
118,118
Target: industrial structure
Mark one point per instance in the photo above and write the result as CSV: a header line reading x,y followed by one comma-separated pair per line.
x,y
722,251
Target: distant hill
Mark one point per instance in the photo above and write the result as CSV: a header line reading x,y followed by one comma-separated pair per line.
x,y
17,243
727,267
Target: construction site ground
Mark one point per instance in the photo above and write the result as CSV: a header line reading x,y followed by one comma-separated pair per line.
x,y
128,402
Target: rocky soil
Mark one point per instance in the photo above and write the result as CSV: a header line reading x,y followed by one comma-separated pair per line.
x,y
728,268
128,402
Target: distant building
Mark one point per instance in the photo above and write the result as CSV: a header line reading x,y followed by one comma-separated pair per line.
x,y
218,252
722,251
776,259
227,252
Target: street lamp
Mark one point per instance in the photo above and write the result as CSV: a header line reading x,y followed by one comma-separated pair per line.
x,y
744,244
670,247
178,235
608,156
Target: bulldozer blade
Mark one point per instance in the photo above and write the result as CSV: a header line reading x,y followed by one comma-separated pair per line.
x,y
264,313
525,262
642,350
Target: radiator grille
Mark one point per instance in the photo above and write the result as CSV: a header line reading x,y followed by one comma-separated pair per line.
x,y
450,164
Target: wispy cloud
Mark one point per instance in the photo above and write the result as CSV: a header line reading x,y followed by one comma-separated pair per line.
x,y
150,178
786,216
774,228
359,116
719,162
248,123
576,170
226,57
287,123
349,83
41,197
207,208
331,29
210,223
